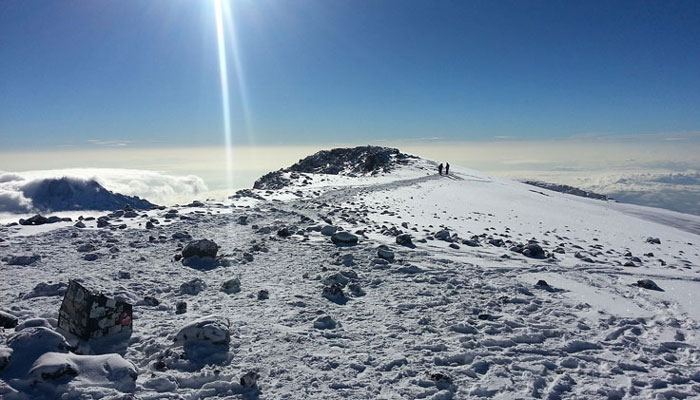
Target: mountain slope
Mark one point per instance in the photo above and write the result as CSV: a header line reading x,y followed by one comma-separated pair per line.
x,y
460,314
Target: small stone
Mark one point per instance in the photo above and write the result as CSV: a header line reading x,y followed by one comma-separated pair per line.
x,y
649,285
542,283
405,240
250,380
344,238
231,286
263,294
181,307
324,322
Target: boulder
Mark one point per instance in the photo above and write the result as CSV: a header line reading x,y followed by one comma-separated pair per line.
x,y
385,252
200,248
533,250
7,320
443,235
193,287
324,322
344,238
328,230
405,240
22,260
35,220
231,286
649,285
204,337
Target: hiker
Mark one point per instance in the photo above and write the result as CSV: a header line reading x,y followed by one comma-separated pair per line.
x,y
447,169
440,169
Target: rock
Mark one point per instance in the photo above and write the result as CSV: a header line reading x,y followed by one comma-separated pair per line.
x,y
79,224
649,284
334,292
5,358
324,322
22,260
91,257
533,250
443,235
542,283
149,225
454,246
7,320
250,380
34,323
385,252
653,240
344,238
28,344
328,230
200,248
263,294
496,242
38,219
470,242
242,220
204,337
86,248
149,301
124,275
405,240
181,307
284,232
193,287
44,289
102,222
231,286
181,236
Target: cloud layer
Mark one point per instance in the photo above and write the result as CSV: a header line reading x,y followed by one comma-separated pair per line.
x,y
154,186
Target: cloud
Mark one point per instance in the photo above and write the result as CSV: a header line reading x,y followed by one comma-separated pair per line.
x,y
154,186
110,143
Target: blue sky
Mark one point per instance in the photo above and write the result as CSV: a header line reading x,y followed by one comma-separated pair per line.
x,y
145,73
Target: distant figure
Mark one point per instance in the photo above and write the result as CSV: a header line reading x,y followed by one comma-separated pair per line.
x,y
447,169
440,169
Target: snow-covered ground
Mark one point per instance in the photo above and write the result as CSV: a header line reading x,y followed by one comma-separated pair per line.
x,y
458,315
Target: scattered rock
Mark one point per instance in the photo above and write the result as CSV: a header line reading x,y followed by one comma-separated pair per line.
x,y
22,260
344,238
385,252
263,294
405,240
181,307
193,287
324,322
7,320
649,285
250,380
328,230
44,289
200,248
231,286
653,240
542,283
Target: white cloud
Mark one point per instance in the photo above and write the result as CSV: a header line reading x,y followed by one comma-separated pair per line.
x,y
154,186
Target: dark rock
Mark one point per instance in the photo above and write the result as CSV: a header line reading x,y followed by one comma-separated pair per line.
x,y
470,242
328,230
193,287
250,380
124,275
79,224
454,246
443,235
200,248
86,248
263,294
405,240
181,307
542,283
149,225
324,322
649,285
7,320
496,242
533,250
35,220
333,292
344,238
284,232
231,286
385,252
653,240
22,260
91,257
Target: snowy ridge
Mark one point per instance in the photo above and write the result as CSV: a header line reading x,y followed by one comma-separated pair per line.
x,y
504,293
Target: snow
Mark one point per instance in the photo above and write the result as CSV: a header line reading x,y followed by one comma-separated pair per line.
x,y
429,321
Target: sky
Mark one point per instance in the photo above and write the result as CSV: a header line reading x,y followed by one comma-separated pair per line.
x,y
85,74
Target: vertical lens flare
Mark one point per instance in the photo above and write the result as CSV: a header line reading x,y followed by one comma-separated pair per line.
x,y
225,103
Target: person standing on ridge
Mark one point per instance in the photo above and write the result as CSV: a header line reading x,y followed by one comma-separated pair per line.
x,y
440,169
447,169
